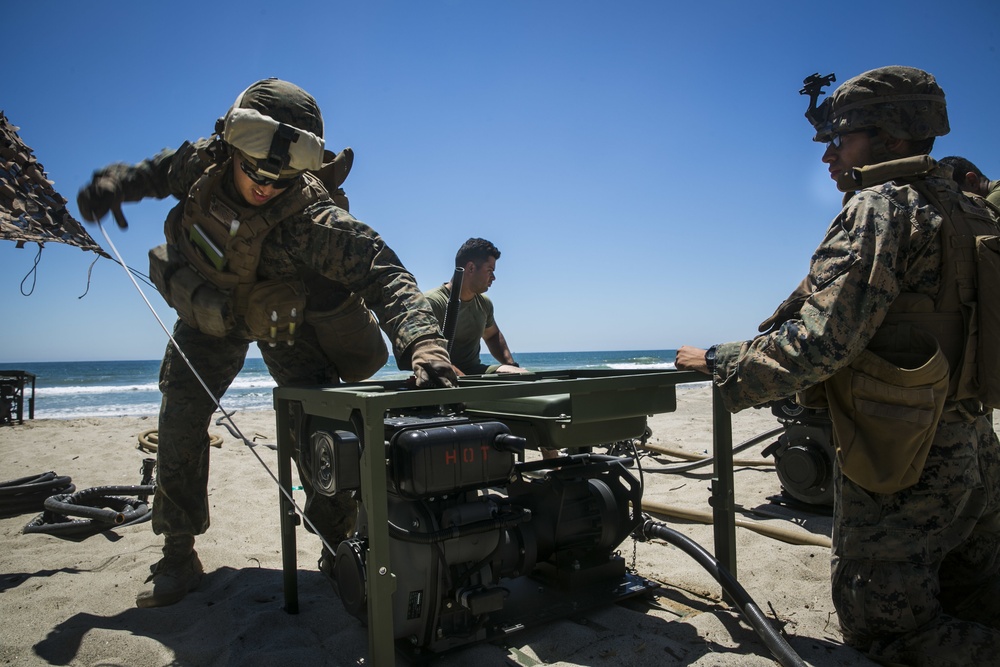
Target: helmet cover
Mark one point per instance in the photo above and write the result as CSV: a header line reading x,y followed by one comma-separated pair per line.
x,y
277,126
904,101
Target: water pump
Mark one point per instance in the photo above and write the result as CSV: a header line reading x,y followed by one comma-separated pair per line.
x,y
485,543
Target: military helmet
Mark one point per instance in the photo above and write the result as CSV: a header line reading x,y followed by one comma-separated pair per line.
x,y
904,101
277,127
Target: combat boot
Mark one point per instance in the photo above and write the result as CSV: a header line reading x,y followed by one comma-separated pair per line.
x,y
176,574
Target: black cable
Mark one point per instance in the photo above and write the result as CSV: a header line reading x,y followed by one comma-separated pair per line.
x,y
90,272
498,523
32,273
780,648
146,279
691,465
638,461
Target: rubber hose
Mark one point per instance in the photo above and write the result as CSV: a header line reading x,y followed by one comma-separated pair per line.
x,y
41,482
101,509
92,503
60,525
28,494
779,648
790,536
149,440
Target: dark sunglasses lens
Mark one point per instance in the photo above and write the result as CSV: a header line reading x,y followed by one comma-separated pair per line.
x,y
252,174
255,176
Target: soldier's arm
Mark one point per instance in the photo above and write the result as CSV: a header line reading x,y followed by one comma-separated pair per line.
x,y
336,245
856,276
497,344
169,172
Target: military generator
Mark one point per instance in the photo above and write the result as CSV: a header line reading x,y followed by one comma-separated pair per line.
x,y
460,537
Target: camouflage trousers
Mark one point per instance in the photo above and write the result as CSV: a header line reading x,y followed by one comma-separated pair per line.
x,y
916,574
180,504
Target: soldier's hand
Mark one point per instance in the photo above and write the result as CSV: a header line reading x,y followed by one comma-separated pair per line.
x,y
691,359
431,365
101,195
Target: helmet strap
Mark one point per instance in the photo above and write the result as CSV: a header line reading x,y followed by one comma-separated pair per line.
x,y
277,154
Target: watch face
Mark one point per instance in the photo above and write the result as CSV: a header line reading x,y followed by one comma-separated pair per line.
x,y
710,359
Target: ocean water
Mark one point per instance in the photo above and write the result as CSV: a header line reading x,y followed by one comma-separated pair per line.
x,y
72,389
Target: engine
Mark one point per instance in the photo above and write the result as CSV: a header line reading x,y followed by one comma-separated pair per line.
x,y
481,541
803,454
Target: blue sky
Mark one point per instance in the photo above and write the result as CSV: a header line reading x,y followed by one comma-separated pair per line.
x,y
644,167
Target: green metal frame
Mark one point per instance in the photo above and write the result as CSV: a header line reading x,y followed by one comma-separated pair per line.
x,y
592,394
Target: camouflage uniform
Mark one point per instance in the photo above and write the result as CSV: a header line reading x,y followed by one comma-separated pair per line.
x,y
916,574
336,255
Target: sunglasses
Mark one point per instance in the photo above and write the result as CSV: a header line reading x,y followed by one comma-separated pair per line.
x,y
837,140
256,177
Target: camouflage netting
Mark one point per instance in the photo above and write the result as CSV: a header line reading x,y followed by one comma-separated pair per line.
x,y
30,209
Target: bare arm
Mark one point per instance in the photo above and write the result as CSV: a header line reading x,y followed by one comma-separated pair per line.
x,y
497,345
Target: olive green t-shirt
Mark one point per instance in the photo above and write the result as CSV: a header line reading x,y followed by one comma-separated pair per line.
x,y
994,195
474,317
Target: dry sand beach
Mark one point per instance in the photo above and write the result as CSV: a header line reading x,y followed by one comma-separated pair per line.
x,y
71,601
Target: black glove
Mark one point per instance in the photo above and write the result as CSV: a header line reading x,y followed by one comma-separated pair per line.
x,y
101,195
431,365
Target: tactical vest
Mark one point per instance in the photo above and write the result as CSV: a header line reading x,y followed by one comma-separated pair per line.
x,y
966,326
932,359
964,317
207,270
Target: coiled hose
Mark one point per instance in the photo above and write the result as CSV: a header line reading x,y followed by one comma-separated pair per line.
x,y
150,440
28,494
99,506
779,648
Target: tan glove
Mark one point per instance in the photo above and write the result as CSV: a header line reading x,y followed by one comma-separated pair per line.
x,y
431,365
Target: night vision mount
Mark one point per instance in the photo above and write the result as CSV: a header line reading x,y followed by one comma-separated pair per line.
x,y
813,86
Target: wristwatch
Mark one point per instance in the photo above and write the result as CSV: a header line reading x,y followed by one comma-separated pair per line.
x,y
710,359
514,364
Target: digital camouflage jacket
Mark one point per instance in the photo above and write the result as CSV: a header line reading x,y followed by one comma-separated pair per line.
x,y
323,245
883,243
